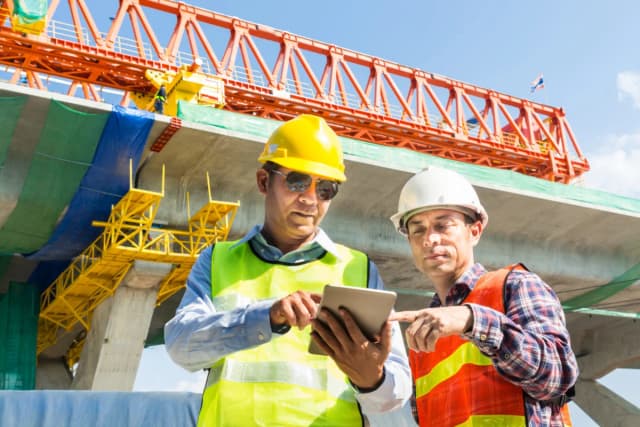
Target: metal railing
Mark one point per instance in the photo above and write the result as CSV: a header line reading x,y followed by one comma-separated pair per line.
x,y
129,46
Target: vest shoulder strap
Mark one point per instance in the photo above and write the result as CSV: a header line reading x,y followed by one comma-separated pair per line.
x,y
489,290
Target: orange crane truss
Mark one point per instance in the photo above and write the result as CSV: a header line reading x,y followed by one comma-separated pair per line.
x,y
275,74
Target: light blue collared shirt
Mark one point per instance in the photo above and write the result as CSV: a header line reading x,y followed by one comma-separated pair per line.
x,y
199,335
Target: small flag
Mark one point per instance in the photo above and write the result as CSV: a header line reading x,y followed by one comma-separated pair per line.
x,y
538,83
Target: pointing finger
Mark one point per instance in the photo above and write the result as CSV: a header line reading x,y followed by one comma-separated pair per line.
x,y
403,316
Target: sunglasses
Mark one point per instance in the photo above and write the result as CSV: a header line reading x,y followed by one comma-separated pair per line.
x,y
298,182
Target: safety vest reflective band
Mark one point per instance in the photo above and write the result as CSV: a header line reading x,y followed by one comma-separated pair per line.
x,y
456,385
465,353
279,372
278,383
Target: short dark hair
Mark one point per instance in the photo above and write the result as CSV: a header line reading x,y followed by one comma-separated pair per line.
x,y
470,220
270,166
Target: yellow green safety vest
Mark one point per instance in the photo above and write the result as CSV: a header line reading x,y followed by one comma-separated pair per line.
x,y
278,383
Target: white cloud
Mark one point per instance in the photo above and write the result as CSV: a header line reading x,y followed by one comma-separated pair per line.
x,y
628,83
616,169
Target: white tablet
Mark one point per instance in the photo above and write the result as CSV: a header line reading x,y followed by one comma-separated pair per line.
x,y
369,307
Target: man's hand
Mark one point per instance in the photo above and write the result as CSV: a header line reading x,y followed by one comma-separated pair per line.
x,y
361,359
296,309
429,324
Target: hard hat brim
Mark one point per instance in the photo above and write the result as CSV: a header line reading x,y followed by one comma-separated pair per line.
x,y
307,166
400,219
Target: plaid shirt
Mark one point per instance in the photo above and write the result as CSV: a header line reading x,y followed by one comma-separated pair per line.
x,y
529,345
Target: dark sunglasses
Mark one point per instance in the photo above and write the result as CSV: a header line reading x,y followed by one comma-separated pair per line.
x,y
298,182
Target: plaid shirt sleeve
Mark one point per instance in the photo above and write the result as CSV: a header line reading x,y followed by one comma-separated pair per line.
x,y
529,345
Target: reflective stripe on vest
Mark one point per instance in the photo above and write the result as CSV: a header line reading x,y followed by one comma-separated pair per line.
x,y
493,421
467,353
279,382
279,372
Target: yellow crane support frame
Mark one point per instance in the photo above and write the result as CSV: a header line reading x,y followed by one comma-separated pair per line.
x,y
188,84
128,235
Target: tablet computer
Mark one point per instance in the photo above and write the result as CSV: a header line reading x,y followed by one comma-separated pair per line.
x,y
369,307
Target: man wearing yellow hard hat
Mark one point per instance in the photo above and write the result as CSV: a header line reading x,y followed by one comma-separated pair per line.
x,y
248,306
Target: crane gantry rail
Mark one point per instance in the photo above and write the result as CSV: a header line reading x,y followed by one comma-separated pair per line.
x,y
361,96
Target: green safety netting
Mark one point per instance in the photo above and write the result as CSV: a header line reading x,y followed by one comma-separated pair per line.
x,y
18,335
411,161
10,110
603,292
63,154
243,123
30,11
4,265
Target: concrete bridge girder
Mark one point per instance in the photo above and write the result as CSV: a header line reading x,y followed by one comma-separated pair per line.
x,y
601,348
563,252
604,406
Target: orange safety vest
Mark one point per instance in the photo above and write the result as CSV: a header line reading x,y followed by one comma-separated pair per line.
x,y
457,385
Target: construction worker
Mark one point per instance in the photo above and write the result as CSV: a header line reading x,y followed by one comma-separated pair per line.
x,y
492,349
249,304
160,99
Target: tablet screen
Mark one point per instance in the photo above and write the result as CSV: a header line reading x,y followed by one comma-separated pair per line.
x,y
369,307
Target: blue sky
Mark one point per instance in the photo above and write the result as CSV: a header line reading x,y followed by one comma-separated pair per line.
x,y
587,50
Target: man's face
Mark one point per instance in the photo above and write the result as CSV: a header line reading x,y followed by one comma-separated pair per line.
x,y
289,214
442,243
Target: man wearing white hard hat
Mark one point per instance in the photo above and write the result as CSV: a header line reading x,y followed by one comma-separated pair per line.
x,y
493,347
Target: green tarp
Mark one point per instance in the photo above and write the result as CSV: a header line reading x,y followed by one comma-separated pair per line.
x,y
10,110
4,265
243,123
63,154
18,335
603,292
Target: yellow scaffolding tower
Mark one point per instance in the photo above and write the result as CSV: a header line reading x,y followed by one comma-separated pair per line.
x,y
128,235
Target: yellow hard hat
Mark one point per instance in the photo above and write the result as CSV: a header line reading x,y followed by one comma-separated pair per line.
x,y
306,144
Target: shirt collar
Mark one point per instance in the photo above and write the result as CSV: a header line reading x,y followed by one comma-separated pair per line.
x,y
471,276
462,286
321,239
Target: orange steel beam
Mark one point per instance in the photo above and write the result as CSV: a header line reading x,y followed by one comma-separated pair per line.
x,y
275,74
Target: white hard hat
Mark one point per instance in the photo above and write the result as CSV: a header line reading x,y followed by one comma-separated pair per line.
x,y
437,188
